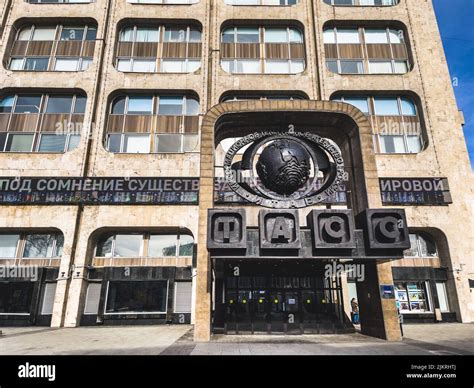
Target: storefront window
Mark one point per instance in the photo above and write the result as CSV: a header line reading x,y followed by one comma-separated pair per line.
x,y
15,297
137,297
412,297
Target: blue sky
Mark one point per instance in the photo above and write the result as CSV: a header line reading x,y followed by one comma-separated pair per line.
x,y
455,20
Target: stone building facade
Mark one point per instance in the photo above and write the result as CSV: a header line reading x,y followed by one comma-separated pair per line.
x,y
151,90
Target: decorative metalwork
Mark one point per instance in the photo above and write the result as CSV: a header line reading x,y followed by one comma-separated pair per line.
x,y
294,169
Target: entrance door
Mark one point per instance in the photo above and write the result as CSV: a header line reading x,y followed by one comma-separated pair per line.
x,y
293,312
274,299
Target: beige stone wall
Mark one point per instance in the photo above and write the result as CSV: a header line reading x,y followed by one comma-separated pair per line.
x,y
444,156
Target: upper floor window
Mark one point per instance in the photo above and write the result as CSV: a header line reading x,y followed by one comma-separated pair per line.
x,y
31,245
368,3
421,245
150,245
257,50
31,122
152,123
177,2
165,49
53,48
366,51
59,1
261,2
395,122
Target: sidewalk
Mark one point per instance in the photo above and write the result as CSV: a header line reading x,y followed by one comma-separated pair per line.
x,y
427,339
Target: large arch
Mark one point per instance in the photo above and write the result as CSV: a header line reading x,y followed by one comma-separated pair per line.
x,y
343,120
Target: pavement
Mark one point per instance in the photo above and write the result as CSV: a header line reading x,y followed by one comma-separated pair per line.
x,y
419,339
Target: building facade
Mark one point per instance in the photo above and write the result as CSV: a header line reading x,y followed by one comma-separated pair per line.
x,y
116,121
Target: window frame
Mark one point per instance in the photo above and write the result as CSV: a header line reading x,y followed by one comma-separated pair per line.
x,y
144,244
53,56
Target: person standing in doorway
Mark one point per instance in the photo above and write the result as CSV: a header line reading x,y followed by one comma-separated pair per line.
x,y
355,311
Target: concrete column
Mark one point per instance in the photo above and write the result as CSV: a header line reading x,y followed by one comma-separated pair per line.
x,y
378,317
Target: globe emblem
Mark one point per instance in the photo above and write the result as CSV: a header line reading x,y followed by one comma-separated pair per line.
x,y
284,166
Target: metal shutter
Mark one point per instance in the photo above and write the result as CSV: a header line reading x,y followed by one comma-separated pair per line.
x,y
182,297
48,298
92,298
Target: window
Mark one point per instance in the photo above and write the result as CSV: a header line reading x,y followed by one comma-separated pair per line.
x,y
162,245
378,3
52,143
42,245
366,50
145,245
64,48
176,133
395,121
380,67
138,51
376,36
19,142
8,245
58,1
16,297
256,50
121,245
31,245
137,297
412,297
170,106
386,106
163,1
351,67
360,103
261,2
347,36
137,144
65,64
140,105
421,245
52,127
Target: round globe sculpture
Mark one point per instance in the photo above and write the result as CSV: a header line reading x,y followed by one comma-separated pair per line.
x,y
284,166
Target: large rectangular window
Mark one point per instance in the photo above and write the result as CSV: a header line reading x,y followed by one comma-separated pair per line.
x,y
145,245
395,122
137,297
412,297
139,49
366,50
53,48
31,245
41,123
255,50
16,297
149,124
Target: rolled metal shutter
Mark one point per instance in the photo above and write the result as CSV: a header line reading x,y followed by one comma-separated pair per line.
x,y
92,298
182,297
48,298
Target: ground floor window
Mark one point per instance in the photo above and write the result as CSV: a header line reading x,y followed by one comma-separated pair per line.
x,y
137,297
15,297
412,297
